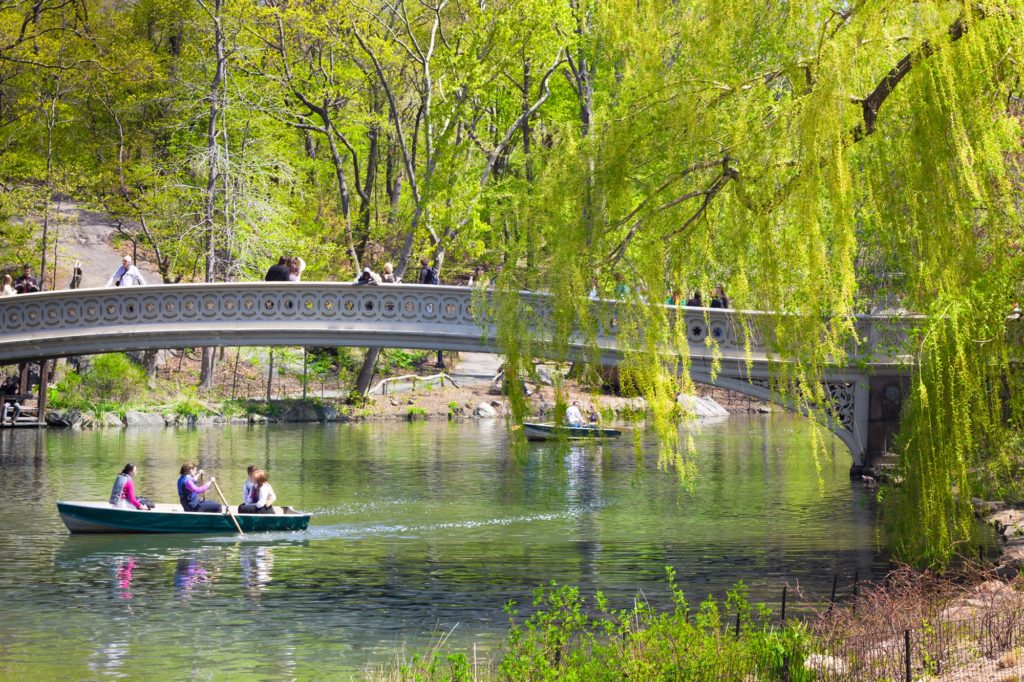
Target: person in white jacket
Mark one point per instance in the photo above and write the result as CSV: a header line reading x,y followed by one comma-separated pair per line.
x,y
127,275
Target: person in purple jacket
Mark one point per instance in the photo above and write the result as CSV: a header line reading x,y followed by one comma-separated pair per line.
x,y
189,491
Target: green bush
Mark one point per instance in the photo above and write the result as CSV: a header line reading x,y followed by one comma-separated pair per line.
x,y
562,641
396,359
110,382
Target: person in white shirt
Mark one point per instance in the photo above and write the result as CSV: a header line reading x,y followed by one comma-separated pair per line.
x,y
265,496
127,275
573,416
9,286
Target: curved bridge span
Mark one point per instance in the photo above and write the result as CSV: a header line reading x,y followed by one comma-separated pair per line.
x,y
86,321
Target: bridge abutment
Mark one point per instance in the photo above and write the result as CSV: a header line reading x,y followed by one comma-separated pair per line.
x,y
886,397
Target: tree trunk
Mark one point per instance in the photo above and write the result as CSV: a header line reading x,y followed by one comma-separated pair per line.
x,y
207,364
366,371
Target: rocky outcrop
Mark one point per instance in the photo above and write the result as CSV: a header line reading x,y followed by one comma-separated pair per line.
x,y
300,413
109,419
142,419
485,411
702,407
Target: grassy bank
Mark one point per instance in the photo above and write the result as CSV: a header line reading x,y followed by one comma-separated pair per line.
x,y
956,627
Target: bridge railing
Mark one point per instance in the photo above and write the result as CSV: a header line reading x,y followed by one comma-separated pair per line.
x,y
328,313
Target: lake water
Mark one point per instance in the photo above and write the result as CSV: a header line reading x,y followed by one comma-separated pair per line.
x,y
421,531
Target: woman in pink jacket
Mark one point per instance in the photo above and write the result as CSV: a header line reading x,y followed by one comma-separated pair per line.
x,y
123,493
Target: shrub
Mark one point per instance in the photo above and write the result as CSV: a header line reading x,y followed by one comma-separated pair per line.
x,y
113,377
110,381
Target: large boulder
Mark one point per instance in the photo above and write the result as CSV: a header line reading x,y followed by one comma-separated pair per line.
x,y
301,412
485,411
330,413
109,419
545,375
57,418
702,407
146,419
77,420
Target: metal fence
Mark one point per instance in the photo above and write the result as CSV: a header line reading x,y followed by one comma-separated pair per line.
x,y
982,647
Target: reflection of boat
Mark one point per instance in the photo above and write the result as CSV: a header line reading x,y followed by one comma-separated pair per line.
x,y
101,517
554,431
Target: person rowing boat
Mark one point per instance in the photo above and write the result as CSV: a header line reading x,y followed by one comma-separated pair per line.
x,y
189,491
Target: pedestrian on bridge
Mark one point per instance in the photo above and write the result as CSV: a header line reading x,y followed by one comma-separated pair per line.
x,y
295,268
26,283
278,272
127,275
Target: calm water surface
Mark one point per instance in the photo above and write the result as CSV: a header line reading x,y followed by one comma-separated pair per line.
x,y
420,530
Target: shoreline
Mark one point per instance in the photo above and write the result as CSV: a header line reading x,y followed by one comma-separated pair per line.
x,y
449,403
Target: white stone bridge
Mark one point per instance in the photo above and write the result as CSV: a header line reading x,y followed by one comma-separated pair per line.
x,y
867,393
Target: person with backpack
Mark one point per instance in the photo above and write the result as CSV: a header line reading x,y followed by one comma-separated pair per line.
x,y
123,493
428,275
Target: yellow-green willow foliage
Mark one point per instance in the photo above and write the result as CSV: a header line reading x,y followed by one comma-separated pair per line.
x,y
820,159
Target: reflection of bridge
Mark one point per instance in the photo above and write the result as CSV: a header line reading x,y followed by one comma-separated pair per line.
x,y
867,394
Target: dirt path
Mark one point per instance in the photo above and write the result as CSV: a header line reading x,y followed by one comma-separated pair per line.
x,y
86,236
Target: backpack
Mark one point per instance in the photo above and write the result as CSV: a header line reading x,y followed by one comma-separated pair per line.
x,y
431,277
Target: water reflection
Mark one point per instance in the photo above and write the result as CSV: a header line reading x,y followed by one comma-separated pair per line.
x,y
257,566
121,570
189,573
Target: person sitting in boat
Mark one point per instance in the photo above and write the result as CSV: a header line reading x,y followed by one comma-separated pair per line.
x,y
593,416
573,416
123,493
189,491
264,494
248,488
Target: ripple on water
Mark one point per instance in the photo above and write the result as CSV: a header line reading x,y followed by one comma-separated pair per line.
x,y
421,533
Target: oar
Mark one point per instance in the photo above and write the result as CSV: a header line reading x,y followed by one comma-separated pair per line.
x,y
230,513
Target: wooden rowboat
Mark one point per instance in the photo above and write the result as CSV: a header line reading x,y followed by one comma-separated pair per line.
x,y
101,517
555,431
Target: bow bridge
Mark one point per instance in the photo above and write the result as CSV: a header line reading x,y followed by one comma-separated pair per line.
x,y
866,394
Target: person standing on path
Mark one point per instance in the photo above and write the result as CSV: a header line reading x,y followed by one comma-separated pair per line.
x,y
127,275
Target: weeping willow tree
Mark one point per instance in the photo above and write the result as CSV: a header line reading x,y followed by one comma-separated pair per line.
x,y
819,159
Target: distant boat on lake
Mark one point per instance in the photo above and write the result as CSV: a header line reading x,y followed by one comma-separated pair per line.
x,y
554,431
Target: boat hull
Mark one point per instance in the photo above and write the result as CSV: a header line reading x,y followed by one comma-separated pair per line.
x,y
553,432
100,517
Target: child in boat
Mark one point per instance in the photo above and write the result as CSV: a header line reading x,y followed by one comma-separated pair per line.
x,y
265,496
189,491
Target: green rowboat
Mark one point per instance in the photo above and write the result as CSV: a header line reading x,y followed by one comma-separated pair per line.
x,y
101,517
555,431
